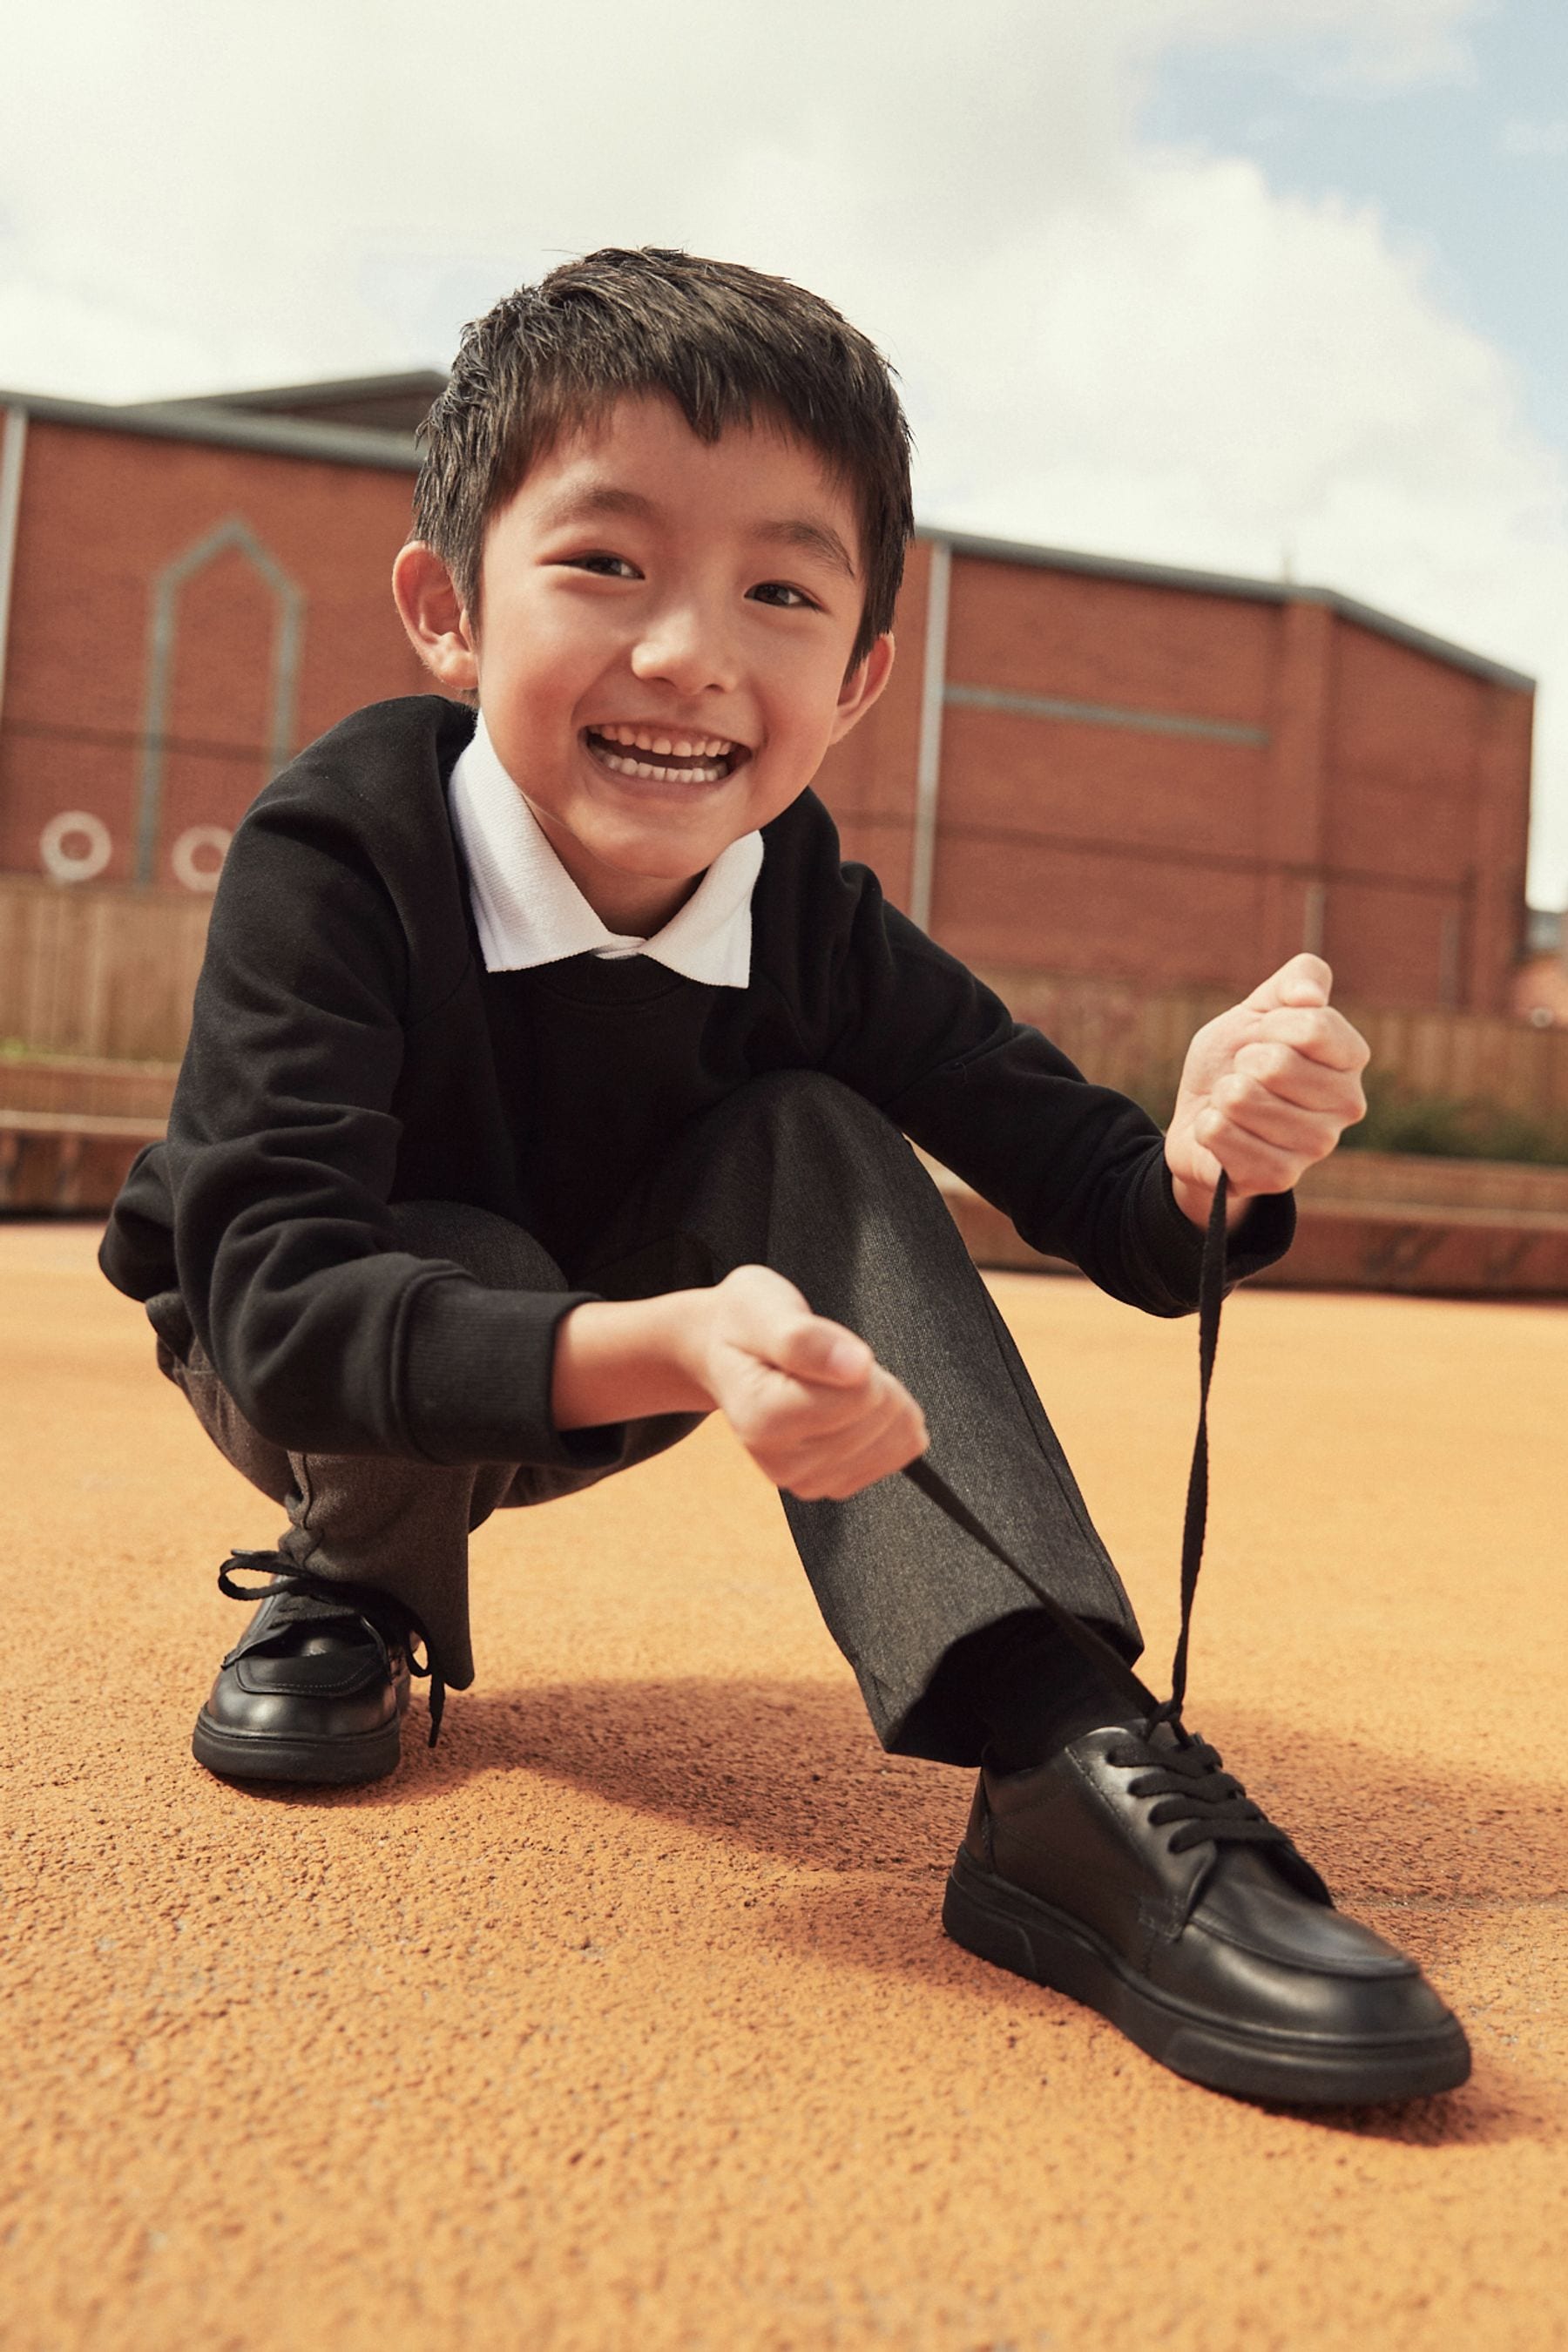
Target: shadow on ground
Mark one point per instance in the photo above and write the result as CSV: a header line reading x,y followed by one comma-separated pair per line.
x,y
790,1769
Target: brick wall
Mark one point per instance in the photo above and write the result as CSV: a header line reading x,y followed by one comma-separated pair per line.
x,y
1180,786
1143,776
103,515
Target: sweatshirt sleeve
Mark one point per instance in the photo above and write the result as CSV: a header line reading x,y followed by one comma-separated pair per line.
x,y
281,1159
1079,1169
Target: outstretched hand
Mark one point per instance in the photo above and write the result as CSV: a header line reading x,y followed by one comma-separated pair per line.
x,y
1268,1088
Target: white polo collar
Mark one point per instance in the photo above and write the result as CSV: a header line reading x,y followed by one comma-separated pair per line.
x,y
529,911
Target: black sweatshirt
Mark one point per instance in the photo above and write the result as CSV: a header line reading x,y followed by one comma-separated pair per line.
x,y
347,1050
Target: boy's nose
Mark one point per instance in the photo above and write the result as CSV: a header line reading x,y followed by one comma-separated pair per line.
x,y
688,651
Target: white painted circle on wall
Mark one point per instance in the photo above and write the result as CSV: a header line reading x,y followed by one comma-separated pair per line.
x,y
75,845
197,857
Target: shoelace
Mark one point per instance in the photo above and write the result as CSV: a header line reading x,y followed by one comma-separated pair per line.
x,y
1181,1771
1193,1789
392,1625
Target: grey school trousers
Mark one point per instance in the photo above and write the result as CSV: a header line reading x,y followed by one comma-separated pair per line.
x,y
795,1172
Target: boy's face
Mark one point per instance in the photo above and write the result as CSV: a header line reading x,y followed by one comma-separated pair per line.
x,y
665,626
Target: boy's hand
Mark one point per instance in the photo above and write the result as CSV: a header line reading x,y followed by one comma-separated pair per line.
x,y
807,1400
1268,1088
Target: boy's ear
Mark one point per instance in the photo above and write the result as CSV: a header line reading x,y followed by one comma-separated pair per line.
x,y
435,616
862,685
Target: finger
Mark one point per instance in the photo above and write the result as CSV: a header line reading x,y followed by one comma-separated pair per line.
x,y
1251,1162
1320,1033
787,1423
838,1477
890,1421
1305,979
1263,1118
1309,1086
784,1420
1296,1078
1203,1171
823,1353
886,1424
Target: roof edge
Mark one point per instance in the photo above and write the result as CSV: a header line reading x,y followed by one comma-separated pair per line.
x,y
200,420
1236,584
339,445
301,397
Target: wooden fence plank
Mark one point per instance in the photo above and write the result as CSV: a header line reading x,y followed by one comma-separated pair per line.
x,y
1138,1042
99,971
111,972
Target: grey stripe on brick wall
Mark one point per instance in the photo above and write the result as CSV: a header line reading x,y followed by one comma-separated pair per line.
x,y
162,624
1105,714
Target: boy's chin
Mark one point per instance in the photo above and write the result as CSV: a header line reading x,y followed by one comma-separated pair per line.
x,y
663,859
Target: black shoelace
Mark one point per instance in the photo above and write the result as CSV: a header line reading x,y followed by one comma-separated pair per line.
x,y
320,1599
1183,1771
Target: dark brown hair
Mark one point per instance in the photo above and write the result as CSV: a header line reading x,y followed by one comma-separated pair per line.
x,y
728,344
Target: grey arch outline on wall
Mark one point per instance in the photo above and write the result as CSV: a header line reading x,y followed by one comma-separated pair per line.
x,y
287,636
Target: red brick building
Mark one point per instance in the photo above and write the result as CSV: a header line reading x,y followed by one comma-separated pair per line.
x,y
1082,765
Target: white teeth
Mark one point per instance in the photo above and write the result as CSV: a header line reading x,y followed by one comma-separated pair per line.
x,y
681,747
708,772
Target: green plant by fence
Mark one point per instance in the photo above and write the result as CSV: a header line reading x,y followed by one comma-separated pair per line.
x,y
1456,1085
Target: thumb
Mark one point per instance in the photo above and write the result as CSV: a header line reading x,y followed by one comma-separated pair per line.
x,y
1305,979
822,1352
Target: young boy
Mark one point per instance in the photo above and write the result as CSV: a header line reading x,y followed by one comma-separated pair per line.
x,y
548,1089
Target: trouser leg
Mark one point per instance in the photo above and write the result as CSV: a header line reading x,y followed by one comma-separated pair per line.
x,y
795,1172
400,1524
798,1173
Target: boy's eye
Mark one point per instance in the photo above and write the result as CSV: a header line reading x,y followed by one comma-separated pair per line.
x,y
609,567
781,593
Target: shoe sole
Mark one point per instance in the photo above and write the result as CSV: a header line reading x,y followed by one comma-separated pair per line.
x,y
1014,1930
257,1756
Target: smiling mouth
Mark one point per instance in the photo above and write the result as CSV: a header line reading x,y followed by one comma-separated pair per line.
x,y
676,759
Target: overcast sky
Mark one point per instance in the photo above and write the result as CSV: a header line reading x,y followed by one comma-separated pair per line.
x,y
1246,284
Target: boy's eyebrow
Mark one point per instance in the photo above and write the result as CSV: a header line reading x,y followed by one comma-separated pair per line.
x,y
605,498
812,539
596,498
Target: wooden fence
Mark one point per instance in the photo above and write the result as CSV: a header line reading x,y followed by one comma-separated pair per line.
x,y
105,972
109,973
1125,1038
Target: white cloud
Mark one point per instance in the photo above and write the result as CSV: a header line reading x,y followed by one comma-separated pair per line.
x,y
1379,45
1520,138
1103,344
1207,373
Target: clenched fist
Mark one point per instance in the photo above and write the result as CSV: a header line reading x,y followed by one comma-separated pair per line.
x,y
1267,1089
808,1401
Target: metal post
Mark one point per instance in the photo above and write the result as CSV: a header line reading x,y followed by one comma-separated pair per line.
x,y
927,771
13,449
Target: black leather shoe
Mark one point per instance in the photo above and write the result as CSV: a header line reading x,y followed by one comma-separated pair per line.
x,y
314,1689
1133,1874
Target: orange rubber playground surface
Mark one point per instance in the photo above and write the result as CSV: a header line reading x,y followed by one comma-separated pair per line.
x,y
623,2023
